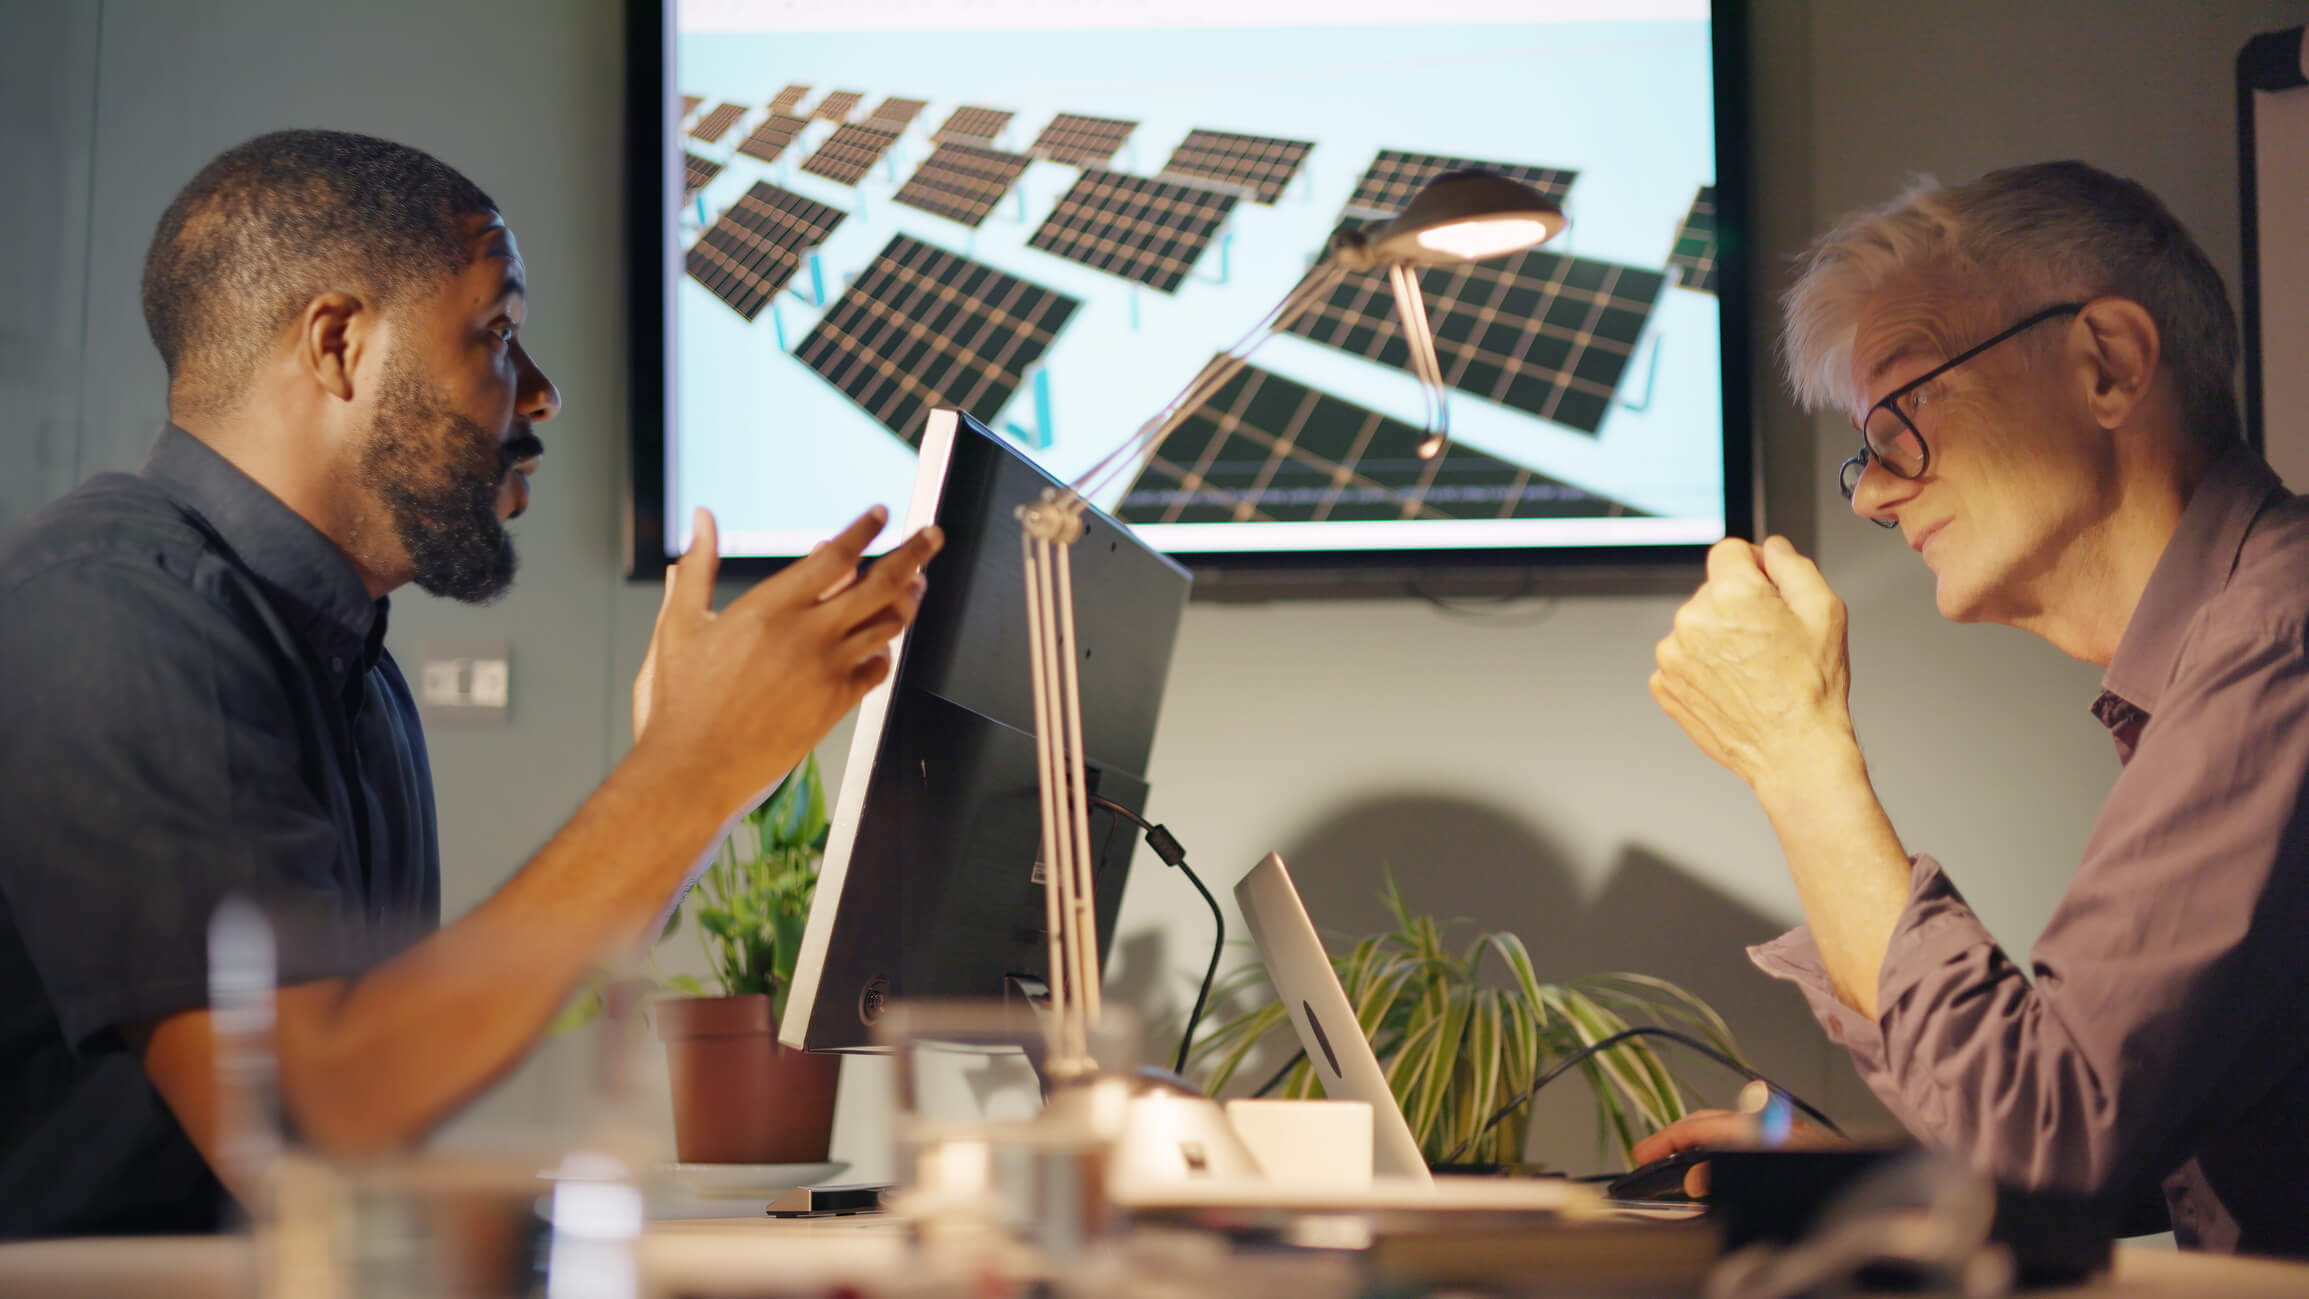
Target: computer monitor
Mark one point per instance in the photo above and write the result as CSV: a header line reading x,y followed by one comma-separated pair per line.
x,y
932,885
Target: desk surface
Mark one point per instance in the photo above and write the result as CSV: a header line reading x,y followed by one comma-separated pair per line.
x,y
215,1267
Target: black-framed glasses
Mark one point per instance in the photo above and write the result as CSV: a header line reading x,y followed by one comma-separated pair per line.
x,y
1889,436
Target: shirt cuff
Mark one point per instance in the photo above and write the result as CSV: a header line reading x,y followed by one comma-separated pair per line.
x,y
1933,925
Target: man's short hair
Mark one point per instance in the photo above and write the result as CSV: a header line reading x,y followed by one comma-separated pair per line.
x,y
274,223
2010,243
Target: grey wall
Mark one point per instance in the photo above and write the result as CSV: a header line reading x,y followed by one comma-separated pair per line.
x,y
1507,763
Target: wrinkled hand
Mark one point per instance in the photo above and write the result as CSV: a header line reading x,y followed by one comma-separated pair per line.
x,y
744,693
1755,670
1723,1130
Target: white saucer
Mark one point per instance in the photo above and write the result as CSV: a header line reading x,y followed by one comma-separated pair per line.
x,y
759,1182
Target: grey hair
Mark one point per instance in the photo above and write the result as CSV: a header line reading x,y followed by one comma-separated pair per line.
x,y
2012,242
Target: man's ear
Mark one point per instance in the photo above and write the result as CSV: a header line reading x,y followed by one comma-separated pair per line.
x,y
2122,352
332,333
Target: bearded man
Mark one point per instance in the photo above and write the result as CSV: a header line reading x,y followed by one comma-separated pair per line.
x,y
196,702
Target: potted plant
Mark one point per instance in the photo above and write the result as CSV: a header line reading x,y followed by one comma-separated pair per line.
x,y
1459,1044
738,1096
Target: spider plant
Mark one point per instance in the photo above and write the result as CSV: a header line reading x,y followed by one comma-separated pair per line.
x,y
1459,1041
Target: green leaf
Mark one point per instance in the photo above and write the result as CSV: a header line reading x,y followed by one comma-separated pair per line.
x,y
582,1010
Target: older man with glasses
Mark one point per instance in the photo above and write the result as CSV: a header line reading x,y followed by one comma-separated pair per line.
x,y
2039,364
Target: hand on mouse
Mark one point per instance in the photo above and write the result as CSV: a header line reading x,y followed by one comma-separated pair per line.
x,y
1723,1130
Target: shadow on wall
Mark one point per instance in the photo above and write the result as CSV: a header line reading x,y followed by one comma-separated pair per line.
x,y
1460,860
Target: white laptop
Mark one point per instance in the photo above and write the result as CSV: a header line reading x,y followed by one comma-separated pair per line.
x,y
1303,977
1309,987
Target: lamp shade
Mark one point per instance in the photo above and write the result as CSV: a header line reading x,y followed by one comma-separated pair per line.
x,y
1466,216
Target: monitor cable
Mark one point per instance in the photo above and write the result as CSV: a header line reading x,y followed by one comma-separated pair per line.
x,y
1167,847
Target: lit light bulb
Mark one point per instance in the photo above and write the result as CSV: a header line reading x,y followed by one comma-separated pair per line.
x,y
1432,447
1485,237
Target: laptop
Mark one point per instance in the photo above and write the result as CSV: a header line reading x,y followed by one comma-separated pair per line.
x,y
1301,972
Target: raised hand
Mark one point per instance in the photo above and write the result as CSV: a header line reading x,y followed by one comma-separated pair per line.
x,y
1755,670
739,696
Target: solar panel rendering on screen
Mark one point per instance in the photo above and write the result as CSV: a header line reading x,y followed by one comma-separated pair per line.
x,y
922,327
962,182
769,141
970,124
836,106
1265,448
896,114
849,153
1396,174
1262,165
1544,333
717,123
1080,140
697,173
1694,256
1151,231
750,251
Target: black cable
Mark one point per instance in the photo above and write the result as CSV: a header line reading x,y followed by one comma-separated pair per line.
x,y
1589,1051
1280,1074
1167,847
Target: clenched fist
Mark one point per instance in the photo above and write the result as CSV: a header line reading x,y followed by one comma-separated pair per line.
x,y
1755,670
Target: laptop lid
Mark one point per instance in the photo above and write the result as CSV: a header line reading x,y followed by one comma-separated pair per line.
x,y
1301,972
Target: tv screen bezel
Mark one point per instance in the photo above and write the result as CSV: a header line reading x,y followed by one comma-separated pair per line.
x,y
654,268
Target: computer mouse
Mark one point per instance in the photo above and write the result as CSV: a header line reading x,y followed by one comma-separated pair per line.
x,y
1658,1181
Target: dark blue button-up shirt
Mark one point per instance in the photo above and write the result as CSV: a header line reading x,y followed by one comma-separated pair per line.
x,y
195,703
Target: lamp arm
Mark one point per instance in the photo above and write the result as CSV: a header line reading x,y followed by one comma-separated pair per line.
x,y
1212,377
1419,341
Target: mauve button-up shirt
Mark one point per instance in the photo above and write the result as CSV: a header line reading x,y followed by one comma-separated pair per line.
x,y
2165,1037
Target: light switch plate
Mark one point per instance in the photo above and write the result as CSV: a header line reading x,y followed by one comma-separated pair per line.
x,y
466,685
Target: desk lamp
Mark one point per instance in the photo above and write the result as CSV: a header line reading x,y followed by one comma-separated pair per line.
x,y
1459,216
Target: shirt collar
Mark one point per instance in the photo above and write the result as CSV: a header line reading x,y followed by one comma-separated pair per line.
x,y
2194,568
323,596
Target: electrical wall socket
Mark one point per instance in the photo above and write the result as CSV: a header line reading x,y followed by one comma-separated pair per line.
x,y
466,684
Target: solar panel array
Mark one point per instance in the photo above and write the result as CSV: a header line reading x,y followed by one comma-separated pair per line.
x,y
972,124
962,182
849,153
1261,164
696,172
689,104
836,106
1268,449
1081,141
770,140
1395,175
789,99
1151,231
897,114
922,327
717,123
1541,332
1694,256
750,251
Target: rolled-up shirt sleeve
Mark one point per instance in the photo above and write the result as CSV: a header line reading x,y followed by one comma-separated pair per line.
x,y
2172,963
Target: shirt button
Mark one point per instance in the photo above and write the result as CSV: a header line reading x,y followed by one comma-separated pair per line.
x,y
336,663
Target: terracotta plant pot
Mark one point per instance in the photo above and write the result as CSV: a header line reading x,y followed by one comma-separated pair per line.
x,y
739,1097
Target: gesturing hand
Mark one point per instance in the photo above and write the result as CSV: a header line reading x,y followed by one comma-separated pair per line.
x,y
1755,670
742,694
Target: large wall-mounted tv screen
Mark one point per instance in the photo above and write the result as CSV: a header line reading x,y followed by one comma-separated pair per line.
x,y
1052,215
